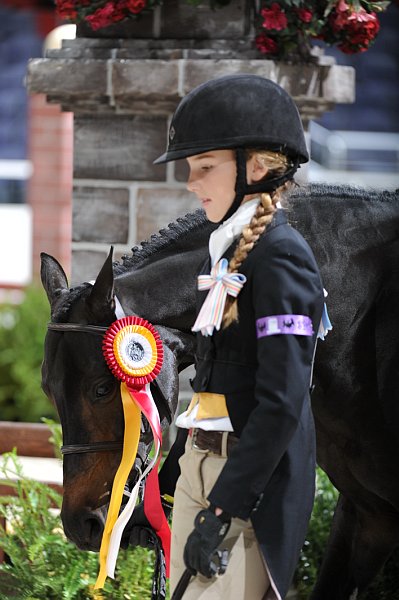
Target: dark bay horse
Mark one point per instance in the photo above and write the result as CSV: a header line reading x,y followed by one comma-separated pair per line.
x,y
355,236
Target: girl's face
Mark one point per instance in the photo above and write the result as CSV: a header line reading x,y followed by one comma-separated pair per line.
x,y
212,178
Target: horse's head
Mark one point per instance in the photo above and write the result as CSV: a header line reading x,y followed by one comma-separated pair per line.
x,y
77,379
87,396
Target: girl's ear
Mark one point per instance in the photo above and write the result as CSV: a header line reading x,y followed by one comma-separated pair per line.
x,y
256,169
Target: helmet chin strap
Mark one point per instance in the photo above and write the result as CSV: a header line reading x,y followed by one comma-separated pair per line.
x,y
243,188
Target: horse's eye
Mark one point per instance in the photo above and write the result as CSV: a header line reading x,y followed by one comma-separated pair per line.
x,y
104,390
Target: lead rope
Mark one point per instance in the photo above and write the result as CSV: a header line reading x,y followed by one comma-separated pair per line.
x,y
158,591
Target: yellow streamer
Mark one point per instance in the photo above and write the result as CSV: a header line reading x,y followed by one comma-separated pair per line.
x,y
132,415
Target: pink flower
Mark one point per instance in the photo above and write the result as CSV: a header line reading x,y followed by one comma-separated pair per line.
x,y
305,14
362,16
274,17
265,44
342,6
343,16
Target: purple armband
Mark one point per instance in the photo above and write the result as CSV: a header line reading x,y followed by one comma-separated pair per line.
x,y
284,324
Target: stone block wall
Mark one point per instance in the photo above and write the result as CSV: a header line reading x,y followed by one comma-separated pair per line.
x,y
177,20
119,196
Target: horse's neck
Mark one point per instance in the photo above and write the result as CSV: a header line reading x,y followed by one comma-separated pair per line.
x,y
163,290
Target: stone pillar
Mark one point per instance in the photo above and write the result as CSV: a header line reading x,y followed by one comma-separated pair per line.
x,y
122,93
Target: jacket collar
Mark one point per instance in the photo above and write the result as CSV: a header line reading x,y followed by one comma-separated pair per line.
x,y
279,218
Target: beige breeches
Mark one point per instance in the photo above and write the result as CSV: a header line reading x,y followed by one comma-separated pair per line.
x,y
246,576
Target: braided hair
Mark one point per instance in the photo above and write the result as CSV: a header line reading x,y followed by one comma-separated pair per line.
x,y
277,163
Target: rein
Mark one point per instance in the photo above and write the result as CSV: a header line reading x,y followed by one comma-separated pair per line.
x,y
76,327
96,446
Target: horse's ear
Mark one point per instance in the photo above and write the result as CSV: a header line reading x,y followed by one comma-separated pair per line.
x,y
102,294
53,278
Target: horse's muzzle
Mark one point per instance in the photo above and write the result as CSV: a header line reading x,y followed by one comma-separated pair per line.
x,y
85,529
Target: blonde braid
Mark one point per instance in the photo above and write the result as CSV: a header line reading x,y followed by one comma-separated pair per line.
x,y
251,233
249,236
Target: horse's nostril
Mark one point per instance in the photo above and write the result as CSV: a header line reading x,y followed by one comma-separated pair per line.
x,y
86,529
95,528
94,522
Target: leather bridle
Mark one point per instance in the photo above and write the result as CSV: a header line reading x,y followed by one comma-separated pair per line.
x,y
96,446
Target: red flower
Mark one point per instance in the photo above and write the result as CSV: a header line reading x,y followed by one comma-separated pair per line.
x,y
66,9
305,14
353,30
105,16
135,6
274,17
364,33
265,44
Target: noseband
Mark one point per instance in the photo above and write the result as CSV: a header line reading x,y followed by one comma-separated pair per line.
x,y
97,446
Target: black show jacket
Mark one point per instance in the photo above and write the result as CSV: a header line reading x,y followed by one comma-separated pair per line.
x,y
270,475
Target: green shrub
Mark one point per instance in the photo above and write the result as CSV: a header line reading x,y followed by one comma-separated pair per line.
x,y
316,539
43,564
22,332
386,584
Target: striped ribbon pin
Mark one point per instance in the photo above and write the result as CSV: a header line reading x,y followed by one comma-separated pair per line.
x,y
220,284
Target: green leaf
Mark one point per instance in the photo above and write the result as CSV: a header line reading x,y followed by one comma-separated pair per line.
x,y
22,332
330,5
376,6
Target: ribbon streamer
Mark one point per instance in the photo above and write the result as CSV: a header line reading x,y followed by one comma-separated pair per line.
x,y
133,351
132,415
220,284
325,323
152,503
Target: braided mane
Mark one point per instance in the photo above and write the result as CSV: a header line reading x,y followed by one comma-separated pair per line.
x,y
163,239
341,191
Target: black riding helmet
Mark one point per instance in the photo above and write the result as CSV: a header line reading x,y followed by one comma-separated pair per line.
x,y
238,112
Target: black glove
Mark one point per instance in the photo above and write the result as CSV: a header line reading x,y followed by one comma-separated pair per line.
x,y
201,546
138,531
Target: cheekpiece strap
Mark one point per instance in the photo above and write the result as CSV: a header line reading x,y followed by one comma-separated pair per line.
x,y
265,185
242,187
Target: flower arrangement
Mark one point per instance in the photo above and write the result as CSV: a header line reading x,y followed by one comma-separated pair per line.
x,y
288,27
285,29
102,13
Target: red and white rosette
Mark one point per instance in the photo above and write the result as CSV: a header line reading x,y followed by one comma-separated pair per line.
x,y
133,351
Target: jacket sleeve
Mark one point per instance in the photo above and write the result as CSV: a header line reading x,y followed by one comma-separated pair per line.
x,y
284,279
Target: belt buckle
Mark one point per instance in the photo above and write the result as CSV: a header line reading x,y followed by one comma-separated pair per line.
x,y
194,445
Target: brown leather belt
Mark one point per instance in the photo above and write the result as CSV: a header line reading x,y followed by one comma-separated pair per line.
x,y
218,442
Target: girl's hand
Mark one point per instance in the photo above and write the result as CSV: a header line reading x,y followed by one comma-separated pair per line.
x,y
200,552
